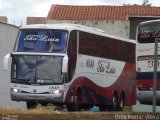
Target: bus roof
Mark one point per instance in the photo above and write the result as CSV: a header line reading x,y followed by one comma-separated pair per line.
x,y
149,21
70,27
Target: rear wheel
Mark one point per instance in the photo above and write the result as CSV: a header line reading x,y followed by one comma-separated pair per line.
x,y
121,102
113,106
102,108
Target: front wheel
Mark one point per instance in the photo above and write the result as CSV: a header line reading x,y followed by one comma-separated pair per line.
x,y
31,104
76,106
77,103
70,108
44,104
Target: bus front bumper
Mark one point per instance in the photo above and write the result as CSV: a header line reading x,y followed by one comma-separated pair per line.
x,y
50,98
147,96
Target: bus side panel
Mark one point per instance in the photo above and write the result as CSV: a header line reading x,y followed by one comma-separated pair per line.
x,y
98,95
103,65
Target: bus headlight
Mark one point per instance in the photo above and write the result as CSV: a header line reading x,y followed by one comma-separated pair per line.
x,y
55,91
16,90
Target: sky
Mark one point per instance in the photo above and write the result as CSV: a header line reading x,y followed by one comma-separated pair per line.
x,y
18,10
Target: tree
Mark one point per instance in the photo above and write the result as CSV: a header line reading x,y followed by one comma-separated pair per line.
x,y
145,3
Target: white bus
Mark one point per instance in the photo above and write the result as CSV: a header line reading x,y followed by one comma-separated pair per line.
x,y
72,65
146,34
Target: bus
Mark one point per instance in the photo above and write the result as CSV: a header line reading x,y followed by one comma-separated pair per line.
x,y
72,65
147,32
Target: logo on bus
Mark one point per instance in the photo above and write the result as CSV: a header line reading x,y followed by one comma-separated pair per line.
x,y
34,90
41,38
104,66
101,67
90,63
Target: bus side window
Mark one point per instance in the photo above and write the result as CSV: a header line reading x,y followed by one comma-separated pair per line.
x,y
72,54
88,44
124,51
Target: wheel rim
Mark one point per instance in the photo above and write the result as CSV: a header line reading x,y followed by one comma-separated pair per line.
x,y
114,101
77,101
121,104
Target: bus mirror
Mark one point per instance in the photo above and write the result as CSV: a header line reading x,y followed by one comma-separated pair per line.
x,y
5,61
65,64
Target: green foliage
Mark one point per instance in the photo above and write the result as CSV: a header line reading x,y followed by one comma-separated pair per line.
x,y
145,3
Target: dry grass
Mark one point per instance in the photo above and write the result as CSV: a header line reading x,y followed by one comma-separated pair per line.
x,y
38,110
43,110
48,113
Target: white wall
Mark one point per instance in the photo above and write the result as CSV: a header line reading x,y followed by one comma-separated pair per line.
x,y
8,34
113,27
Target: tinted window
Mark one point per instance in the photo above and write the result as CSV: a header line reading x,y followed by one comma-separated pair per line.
x,y
72,53
41,40
37,69
148,32
88,44
106,47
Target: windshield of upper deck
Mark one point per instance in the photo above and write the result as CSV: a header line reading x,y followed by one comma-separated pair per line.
x,y
148,32
40,40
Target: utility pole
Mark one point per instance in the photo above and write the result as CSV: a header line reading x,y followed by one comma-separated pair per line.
x,y
155,74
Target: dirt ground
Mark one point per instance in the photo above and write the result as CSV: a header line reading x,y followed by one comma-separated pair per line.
x,y
59,116
49,114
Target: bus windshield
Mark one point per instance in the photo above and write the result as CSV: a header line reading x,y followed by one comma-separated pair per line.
x,y
148,32
37,69
39,40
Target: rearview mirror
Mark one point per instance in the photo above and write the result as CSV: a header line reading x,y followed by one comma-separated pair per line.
x,y
6,61
65,64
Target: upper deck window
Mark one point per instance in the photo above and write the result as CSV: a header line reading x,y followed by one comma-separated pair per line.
x,y
148,32
39,40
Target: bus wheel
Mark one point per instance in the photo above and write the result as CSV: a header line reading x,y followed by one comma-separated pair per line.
x,y
44,104
113,106
59,108
31,104
102,108
78,98
121,102
70,108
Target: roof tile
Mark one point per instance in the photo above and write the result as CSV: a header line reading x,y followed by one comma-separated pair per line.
x,y
101,12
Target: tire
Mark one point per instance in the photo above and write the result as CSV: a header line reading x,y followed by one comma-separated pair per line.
x,y
103,108
31,104
59,108
121,103
70,107
114,105
77,103
44,104
76,106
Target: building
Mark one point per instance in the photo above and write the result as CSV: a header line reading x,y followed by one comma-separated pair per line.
x,y
116,20
3,19
8,34
36,20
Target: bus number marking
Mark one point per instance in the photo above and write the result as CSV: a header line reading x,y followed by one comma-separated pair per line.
x,y
54,87
151,64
